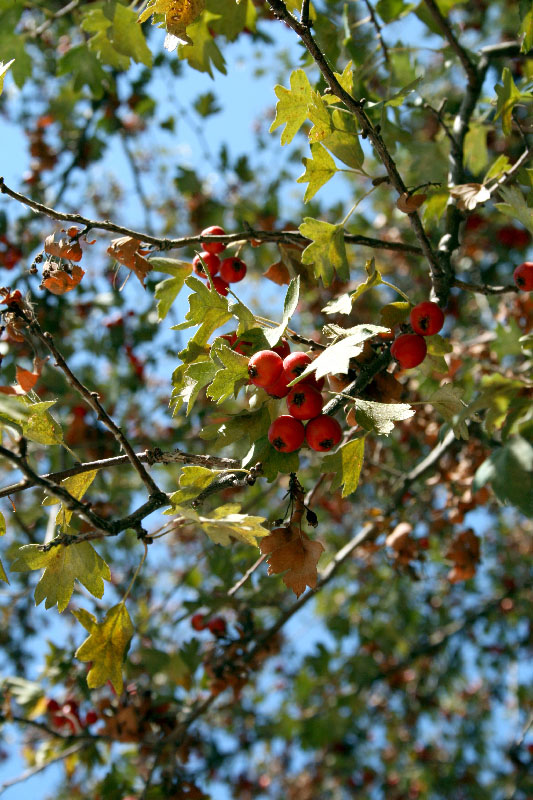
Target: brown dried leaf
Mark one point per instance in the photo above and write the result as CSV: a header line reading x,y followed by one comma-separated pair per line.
x,y
397,538
58,281
410,202
127,251
278,273
292,551
63,248
464,551
470,195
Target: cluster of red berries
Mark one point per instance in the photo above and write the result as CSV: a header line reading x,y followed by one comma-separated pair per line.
x,y
410,349
229,270
216,625
273,370
523,276
66,716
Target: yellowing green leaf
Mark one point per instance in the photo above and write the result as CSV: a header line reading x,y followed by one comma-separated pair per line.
x,y
207,309
226,525
77,485
167,291
508,97
327,251
3,71
346,463
380,417
394,313
320,116
195,377
62,566
343,140
234,370
318,170
292,106
202,52
515,206
106,646
335,359
40,426
193,480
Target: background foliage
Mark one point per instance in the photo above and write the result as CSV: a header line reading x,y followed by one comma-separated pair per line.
x,y
390,159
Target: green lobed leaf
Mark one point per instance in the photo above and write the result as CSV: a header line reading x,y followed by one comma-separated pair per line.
x,y
509,470
203,54
336,358
40,426
327,251
273,335
167,291
343,141
292,106
320,116
515,206
208,309
193,480
106,646
508,96
318,170
62,567
380,417
234,371
77,485
195,378
84,68
271,459
346,463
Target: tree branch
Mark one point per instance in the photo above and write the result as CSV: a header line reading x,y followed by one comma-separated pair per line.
x,y
162,243
441,279
29,773
446,30
483,288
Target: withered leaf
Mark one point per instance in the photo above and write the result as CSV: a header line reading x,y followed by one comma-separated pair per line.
x,y
410,202
128,251
278,273
464,551
470,195
291,551
63,248
58,281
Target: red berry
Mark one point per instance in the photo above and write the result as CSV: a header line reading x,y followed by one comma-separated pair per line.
x,y
278,389
510,236
217,626
213,247
220,286
231,338
294,364
322,433
243,347
212,263
91,718
52,706
409,350
304,402
198,622
232,270
523,276
427,318
286,434
283,349
265,367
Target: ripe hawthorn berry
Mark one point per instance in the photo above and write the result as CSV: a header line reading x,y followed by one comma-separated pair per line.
x,y
213,247
232,269
279,388
294,364
52,706
198,622
283,349
304,401
427,318
217,626
220,286
91,718
409,350
523,276
286,434
322,433
264,368
212,262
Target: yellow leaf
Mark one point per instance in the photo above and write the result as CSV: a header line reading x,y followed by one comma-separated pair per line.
x,y
77,485
106,646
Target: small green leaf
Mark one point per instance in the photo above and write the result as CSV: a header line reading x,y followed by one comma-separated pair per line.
x,y
106,646
343,141
437,345
207,309
327,251
335,359
447,400
62,567
272,460
203,54
292,106
346,463
380,417
235,370
340,305
77,485
167,291
195,377
395,313
273,335
510,472
318,170
193,481
40,426
508,97
515,206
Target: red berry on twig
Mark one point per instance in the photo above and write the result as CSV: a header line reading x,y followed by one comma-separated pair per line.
x,y
264,368
232,270
213,247
212,262
427,318
304,402
322,433
409,350
523,276
286,434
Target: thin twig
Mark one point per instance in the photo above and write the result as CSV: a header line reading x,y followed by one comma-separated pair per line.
x,y
378,29
246,575
61,13
446,30
162,243
483,288
29,773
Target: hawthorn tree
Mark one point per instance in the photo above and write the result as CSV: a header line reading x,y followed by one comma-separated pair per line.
x,y
275,489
